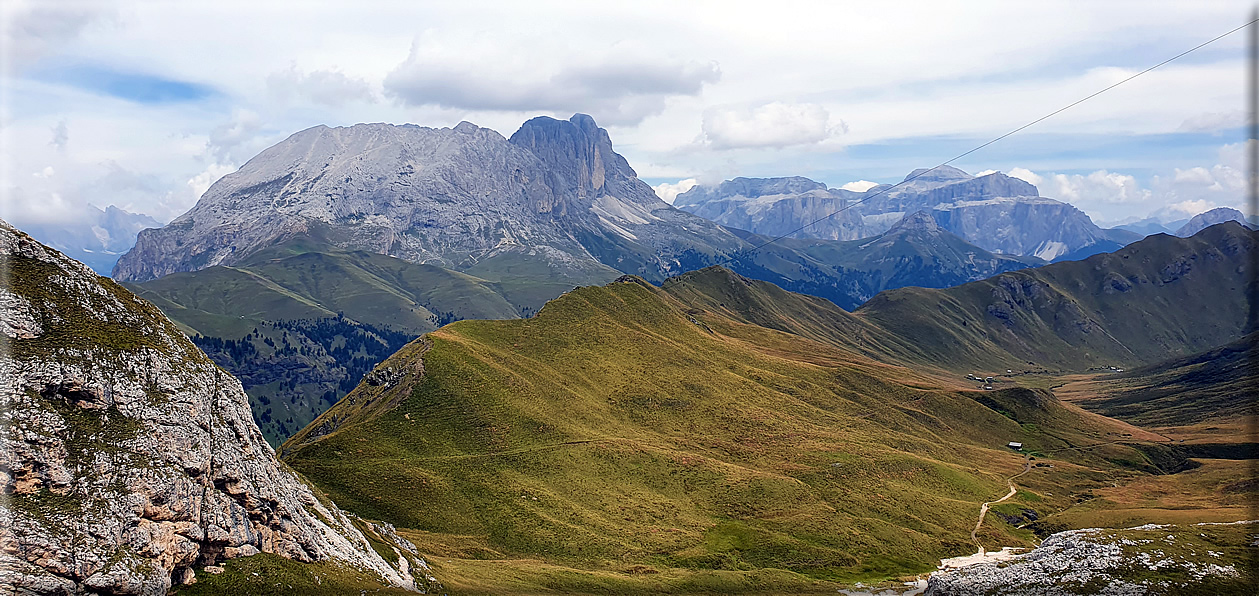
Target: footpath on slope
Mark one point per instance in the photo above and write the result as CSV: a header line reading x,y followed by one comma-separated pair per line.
x,y
1008,552
983,509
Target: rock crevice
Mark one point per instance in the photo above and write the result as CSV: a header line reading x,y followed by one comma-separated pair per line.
x,y
128,457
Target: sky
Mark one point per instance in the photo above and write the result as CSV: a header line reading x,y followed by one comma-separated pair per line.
x,y
144,104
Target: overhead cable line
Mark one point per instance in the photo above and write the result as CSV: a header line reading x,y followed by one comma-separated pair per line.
x,y
921,173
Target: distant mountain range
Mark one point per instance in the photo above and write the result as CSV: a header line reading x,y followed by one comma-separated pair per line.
x,y
463,198
97,237
995,212
278,320
1156,299
1206,219
328,251
1152,225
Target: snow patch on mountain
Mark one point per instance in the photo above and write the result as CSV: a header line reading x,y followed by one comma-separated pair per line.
x,y
1050,250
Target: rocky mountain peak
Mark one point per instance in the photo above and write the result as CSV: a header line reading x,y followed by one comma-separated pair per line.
x,y
578,150
129,457
918,221
939,174
1207,219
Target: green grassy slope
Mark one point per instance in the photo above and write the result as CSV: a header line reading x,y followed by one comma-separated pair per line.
x,y
300,323
1152,300
289,283
618,428
528,281
1212,386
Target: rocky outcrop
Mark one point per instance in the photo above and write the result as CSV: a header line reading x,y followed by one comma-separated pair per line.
x,y
995,212
1150,559
128,457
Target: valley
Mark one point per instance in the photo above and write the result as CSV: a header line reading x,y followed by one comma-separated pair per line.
x,y
718,434
611,299
435,232
649,480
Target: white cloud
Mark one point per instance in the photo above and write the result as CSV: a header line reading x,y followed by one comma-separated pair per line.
x,y
34,29
1198,175
1183,192
1185,209
669,192
26,206
327,87
492,73
859,185
1098,187
241,129
202,181
1213,121
775,125
982,173
646,70
1026,175
60,136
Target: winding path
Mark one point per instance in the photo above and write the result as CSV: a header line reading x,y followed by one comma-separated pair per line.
x,y
983,509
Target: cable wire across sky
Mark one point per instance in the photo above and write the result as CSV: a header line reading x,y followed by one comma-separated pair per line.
x,y
921,173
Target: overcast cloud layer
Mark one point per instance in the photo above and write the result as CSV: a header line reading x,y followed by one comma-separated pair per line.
x,y
145,104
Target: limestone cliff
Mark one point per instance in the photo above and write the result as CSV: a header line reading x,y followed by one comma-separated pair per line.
x,y
126,456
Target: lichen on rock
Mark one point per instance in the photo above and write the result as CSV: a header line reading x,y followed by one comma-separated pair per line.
x,y
128,458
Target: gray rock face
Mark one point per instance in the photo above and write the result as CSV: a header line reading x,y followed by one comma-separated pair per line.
x,y
128,457
1096,561
995,212
777,207
454,197
1207,219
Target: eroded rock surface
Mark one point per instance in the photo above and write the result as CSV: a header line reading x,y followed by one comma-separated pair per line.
x,y
1151,559
128,457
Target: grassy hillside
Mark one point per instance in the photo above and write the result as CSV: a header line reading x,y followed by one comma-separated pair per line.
x,y
1157,299
626,431
293,282
1212,386
1153,300
300,324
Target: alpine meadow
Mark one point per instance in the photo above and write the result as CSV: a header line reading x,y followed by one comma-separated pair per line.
x,y
695,298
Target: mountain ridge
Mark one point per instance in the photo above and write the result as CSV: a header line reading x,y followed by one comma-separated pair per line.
x,y
697,416
997,212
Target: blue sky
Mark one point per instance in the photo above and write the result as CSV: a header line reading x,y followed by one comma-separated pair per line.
x,y
144,104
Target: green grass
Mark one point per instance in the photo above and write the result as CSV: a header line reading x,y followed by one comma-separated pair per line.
x,y
1155,299
266,575
299,281
303,280
67,315
613,430
1214,385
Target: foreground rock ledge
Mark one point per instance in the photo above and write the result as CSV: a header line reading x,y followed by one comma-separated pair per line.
x,y
128,457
